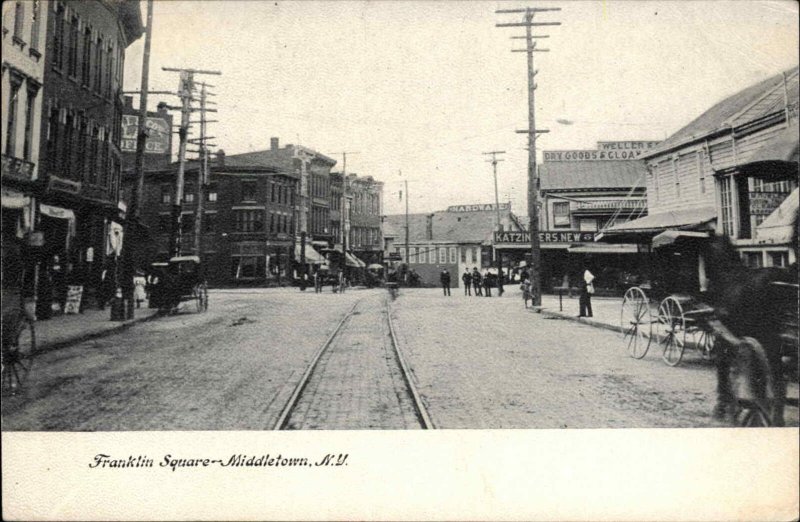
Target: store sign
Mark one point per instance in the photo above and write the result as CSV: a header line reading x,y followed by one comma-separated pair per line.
x,y
478,208
627,145
765,203
158,133
63,185
591,155
545,236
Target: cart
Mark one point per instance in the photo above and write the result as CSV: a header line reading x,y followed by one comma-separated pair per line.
x,y
183,281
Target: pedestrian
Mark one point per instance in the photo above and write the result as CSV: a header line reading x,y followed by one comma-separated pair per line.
x,y
487,284
467,280
445,278
139,284
500,288
526,292
317,281
587,289
477,281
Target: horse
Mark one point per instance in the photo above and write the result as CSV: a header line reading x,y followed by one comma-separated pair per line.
x,y
746,303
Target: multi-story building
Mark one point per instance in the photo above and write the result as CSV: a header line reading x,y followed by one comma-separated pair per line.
x,y
312,171
248,221
458,238
731,170
79,153
583,192
365,238
24,32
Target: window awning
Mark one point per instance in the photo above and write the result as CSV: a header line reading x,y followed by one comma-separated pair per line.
x,y
776,159
600,248
312,256
669,237
354,261
643,229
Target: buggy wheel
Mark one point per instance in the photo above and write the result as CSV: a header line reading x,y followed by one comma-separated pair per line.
x,y
19,348
200,295
704,343
672,326
751,384
636,322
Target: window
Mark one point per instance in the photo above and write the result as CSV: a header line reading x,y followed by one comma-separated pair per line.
x,y
166,194
19,18
752,259
187,224
209,223
587,225
726,200
72,57
36,17
86,65
66,145
98,65
83,143
779,259
58,38
188,193
248,267
453,255
29,106
248,190
701,169
211,193
13,105
463,255
109,71
248,220
561,213
412,254
442,255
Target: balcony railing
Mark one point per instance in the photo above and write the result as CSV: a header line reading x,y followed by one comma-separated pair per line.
x,y
17,168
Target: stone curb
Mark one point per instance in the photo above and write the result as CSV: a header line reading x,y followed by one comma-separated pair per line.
x,y
93,334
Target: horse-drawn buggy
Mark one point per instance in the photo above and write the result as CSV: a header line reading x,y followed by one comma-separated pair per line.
x,y
177,281
744,319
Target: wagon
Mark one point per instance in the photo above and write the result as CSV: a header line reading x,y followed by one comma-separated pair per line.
x,y
183,281
670,310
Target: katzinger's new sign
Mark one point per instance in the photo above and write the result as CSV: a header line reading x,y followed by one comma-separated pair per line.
x,y
545,236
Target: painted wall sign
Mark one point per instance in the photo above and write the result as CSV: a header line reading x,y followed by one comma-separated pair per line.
x,y
765,203
626,145
477,208
157,139
591,155
545,236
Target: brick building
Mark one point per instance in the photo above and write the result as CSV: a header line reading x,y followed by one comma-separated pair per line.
x,y
365,238
248,221
79,156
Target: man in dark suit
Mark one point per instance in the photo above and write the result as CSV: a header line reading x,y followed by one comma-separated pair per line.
x,y
445,278
467,280
477,281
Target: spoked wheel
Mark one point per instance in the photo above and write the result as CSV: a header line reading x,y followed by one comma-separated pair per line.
x,y
672,326
751,384
636,322
704,343
200,294
19,347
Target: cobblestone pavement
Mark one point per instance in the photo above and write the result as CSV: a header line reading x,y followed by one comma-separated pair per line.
x,y
357,383
233,367
489,363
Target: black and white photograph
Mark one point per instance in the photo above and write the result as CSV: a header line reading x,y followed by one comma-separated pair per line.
x,y
560,238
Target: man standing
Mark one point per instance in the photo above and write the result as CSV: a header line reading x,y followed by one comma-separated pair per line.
x,y
445,278
467,280
477,281
587,289
487,283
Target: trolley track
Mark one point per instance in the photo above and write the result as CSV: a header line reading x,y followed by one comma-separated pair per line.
x,y
338,340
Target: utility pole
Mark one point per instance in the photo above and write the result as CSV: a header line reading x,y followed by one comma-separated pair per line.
x,y
532,132
203,174
185,92
133,228
405,185
497,259
344,217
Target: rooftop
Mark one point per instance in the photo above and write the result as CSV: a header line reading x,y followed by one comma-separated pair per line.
x,y
454,227
564,175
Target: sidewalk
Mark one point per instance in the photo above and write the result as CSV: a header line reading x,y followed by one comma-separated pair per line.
x,y
605,310
64,330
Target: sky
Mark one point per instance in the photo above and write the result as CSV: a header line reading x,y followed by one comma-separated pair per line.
x,y
417,91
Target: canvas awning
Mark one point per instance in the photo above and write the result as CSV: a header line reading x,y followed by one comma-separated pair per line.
x,y
776,159
643,229
601,248
669,237
354,261
312,256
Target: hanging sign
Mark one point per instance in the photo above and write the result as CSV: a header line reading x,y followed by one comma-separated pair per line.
x,y
545,236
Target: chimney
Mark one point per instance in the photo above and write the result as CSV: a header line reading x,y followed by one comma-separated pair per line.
x,y
429,227
274,143
221,158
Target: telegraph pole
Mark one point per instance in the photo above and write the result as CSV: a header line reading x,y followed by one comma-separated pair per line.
x,y
344,218
185,92
532,132
405,185
497,259
203,174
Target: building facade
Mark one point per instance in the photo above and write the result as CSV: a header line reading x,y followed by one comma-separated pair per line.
x,y
365,238
457,239
23,66
247,226
730,171
583,192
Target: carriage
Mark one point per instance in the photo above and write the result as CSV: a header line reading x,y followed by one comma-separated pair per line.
x,y
180,280
751,314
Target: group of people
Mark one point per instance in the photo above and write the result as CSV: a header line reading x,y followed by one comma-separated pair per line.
x,y
481,283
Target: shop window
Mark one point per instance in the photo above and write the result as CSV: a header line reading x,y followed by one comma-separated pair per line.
x,y
752,259
561,214
587,225
248,267
780,259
